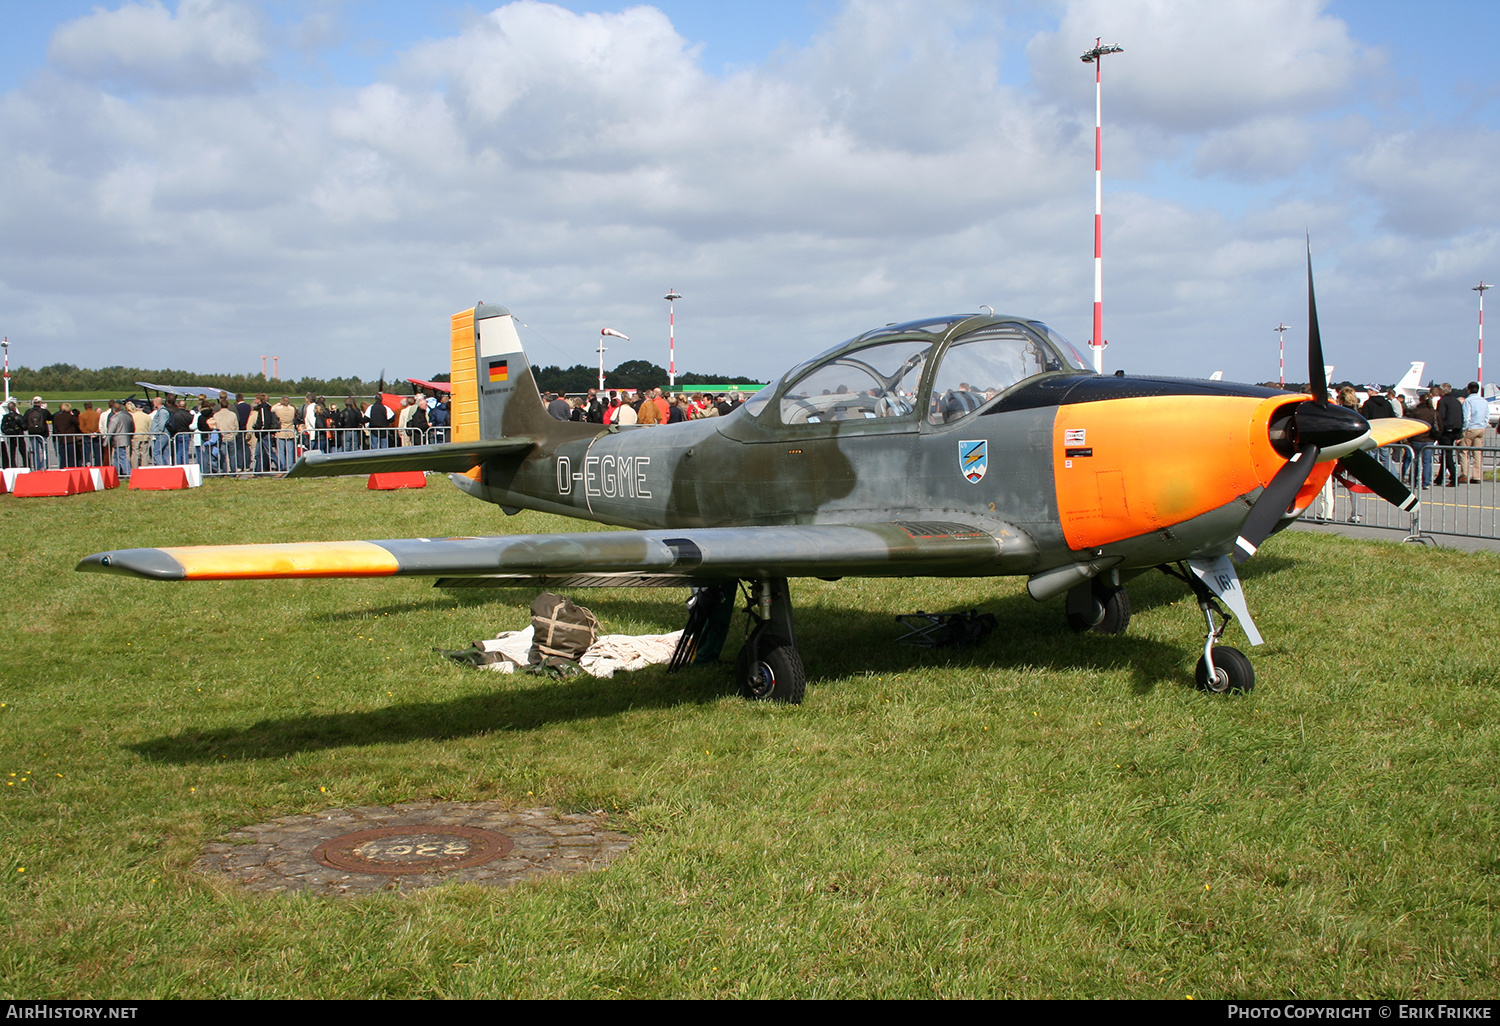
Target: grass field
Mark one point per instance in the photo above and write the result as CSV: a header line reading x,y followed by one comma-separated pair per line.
x,y
1047,815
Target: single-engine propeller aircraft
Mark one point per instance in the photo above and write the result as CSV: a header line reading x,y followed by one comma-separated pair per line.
x,y
961,446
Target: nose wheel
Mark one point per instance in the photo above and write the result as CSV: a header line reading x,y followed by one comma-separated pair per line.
x,y
1223,670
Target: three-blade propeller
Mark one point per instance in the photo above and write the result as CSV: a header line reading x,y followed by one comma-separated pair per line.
x,y
1311,432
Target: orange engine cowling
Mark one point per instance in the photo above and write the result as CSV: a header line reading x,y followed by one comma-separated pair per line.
x,y
1126,467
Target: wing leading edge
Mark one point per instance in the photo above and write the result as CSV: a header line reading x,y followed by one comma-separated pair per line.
x,y
831,550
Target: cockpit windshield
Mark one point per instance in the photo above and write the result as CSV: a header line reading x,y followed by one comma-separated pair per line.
x,y
1069,350
982,364
883,379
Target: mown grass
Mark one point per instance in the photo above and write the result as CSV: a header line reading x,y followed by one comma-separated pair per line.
x,y
1046,815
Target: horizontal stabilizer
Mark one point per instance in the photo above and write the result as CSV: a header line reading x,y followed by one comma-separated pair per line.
x,y
447,458
873,550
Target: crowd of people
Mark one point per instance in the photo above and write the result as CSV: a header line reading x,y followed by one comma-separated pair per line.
x,y
1456,423
221,435
646,406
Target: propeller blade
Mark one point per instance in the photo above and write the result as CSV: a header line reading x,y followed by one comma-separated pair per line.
x,y
1273,502
1317,376
1366,469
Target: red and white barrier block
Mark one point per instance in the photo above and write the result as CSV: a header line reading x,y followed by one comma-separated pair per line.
x,y
72,481
166,478
397,479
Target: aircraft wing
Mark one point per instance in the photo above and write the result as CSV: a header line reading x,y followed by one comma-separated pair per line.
x,y
1385,430
600,557
447,458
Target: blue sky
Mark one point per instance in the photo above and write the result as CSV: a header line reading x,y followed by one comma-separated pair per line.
x,y
213,181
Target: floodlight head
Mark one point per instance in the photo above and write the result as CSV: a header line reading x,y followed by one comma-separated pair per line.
x,y
1480,288
671,295
1100,51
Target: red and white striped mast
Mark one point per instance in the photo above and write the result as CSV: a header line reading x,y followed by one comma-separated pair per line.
x,y
1281,330
6,345
671,297
1480,289
1096,58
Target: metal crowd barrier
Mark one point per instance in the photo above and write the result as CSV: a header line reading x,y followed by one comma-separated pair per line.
x,y
1463,509
244,453
1471,509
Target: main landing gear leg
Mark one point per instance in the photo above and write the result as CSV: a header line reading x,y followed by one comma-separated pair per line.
x,y
768,667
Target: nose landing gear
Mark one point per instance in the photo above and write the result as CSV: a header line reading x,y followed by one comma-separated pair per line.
x,y
1220,669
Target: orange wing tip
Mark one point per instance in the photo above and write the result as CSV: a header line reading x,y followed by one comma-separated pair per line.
x,y
303,559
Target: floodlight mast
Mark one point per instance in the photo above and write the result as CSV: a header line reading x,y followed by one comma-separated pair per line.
x,y
671,297
1480,288
1281,330
5,344
1096,58
602,350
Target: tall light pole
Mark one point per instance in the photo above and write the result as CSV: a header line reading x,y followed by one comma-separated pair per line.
x,y
1281,330
671,297
1480,289
1096,58
602,350
5,343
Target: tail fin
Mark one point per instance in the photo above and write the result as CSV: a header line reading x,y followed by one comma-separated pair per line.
x,y
494,393
496,410
1412,382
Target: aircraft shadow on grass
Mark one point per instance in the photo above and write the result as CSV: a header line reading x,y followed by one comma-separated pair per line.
x,y
842,643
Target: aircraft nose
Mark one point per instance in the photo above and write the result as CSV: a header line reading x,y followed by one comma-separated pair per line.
x,y
1333,429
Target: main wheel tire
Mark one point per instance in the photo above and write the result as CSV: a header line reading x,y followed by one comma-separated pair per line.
x,y
1116,612
1115,616
776,676
1233,672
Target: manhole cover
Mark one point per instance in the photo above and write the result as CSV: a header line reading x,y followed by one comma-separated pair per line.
x,y
423,849
417,844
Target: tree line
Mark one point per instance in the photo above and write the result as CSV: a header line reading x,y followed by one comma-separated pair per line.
x,y
633,374
120,381
65,377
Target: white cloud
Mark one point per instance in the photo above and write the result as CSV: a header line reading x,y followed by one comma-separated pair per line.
x,y
1196,66
1432,183
1266,147
207,45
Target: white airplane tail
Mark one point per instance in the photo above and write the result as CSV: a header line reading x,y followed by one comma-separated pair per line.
x,y
1411,384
